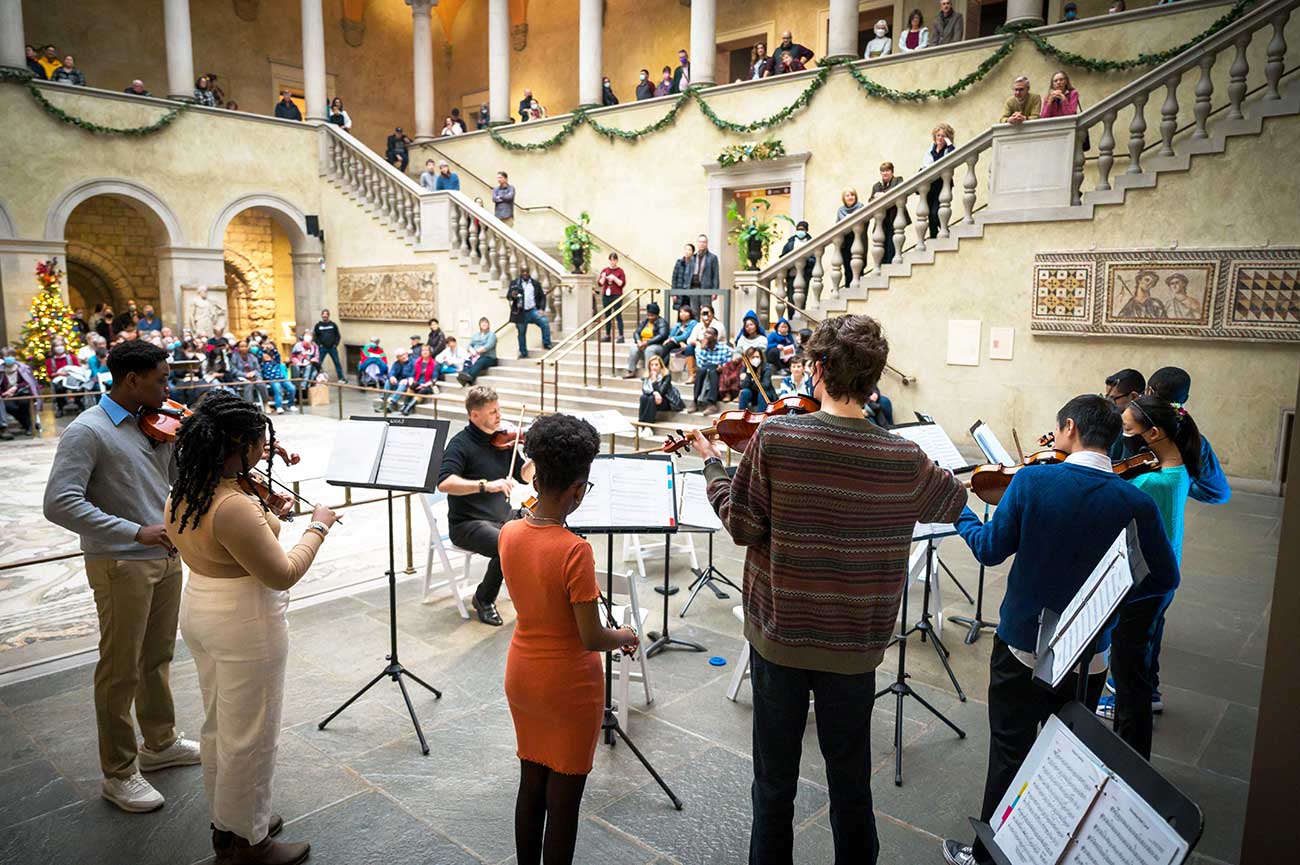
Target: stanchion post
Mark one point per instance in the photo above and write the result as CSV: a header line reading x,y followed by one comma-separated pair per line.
x,y
410,549
339,388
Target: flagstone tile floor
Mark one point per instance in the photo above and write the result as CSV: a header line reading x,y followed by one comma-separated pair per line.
x,y
361,792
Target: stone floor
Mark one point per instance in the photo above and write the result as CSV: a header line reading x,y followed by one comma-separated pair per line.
x,y
361,792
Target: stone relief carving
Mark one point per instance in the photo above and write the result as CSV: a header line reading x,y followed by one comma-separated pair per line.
x,y
397,293
519,36
246,10
205,308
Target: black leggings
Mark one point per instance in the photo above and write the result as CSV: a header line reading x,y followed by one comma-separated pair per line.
x,y
546,815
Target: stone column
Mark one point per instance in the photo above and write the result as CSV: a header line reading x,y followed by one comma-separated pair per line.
x,y
591,27
180,53
704,43
422,51
1024,10
313,60
499,61
13,51
308,288
843,40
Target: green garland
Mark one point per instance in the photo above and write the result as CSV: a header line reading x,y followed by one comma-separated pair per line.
x,y
24,76
871,88
800,102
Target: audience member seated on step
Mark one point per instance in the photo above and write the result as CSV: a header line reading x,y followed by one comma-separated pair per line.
x,y
137,88
682,74
880,45
34,65
761,64
16,382
798,55
751,333
97,362
754,391
397,151
339,116
1021,105
1062,100
246,371
940,146
797,383
678,342
645,88
657,391
879,410
849,205
287,109
449,128
648,339
607,96
886,182
709,357
444,179
203,94
611,282
949,26
57,366
916,36
665,85
399,376
780,346
706,320
482,353
437,339
683,271
68,73
416,342
527,301
50,60
304,359
423,381
503,199
277,377
451,360
186,373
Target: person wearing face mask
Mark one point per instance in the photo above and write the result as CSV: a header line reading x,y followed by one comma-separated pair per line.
x,y
57,366
799,238
607,96
1070,12
16,381
682,74
645,88
665,85
881,45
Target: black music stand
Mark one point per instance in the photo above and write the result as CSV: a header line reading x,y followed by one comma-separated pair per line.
x,y
706,576
923,626
380,480
899,687
976,624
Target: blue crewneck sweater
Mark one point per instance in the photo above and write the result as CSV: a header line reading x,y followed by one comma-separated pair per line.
x,y
1058,521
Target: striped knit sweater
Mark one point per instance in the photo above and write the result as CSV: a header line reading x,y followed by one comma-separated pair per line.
x,y
826,506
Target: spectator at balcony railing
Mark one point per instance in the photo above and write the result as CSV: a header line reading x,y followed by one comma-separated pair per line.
x,y
68,73
536,111
645,88
524,104
761,64
503,199
916,36
484,116
203,94
429,177
648,340
1116,7
683,270
446,179
1070,12
398,151
449,128
1023,104
940,146
949,27
232,105
657,391
451,359
800,54
682,74
1062,100
339,116
789,63
34,63
705,268
665,85
611,282
50,60
607,96
137,88
482,353
800,236
881,45
886,182
285,109
849,205
455,118
216,88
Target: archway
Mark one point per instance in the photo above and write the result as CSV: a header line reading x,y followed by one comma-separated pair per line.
x,y
94,278
112,243
259,275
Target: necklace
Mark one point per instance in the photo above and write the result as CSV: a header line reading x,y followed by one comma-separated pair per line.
x,y
539,520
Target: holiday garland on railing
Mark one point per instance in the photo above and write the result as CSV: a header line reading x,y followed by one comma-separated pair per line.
x,y
25,77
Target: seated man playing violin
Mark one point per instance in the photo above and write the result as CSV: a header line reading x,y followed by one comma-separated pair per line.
x,y
476,475
108,484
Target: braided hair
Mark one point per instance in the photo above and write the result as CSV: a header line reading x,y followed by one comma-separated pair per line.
x,y
222,424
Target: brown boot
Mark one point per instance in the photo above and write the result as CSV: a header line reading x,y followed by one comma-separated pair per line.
x,y
269,852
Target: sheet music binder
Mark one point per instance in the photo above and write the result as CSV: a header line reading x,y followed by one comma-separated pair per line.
x,y
608,526
1180,812
429,483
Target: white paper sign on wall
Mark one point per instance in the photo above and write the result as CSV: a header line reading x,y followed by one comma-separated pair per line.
x,y
964,342
1002,342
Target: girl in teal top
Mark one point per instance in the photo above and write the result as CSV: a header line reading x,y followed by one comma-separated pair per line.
x,y
1153,424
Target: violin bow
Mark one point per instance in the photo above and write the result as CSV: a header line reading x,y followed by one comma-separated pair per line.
x,y
758,381
1015,437
514,451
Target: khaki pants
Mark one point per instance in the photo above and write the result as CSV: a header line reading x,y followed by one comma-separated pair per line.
x,y
138,604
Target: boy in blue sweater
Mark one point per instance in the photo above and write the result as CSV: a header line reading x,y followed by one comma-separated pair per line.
x,y
1058,521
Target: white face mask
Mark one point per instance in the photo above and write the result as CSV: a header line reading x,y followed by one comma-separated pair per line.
x,y
880,32
643,76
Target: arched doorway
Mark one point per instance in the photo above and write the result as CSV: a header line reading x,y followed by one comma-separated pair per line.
x,y
112,253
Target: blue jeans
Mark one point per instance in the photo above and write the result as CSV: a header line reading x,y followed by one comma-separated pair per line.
x,y
393,391
532,316
844,732
332,353
282,388
478,367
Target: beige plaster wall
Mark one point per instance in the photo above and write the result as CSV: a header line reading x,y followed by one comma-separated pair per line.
x,y
122,235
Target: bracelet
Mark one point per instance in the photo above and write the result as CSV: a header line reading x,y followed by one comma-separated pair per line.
x,y
319,528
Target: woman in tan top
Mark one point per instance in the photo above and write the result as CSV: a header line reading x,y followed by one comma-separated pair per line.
x,y
233,617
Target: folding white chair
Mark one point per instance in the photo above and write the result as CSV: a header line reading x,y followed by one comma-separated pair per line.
x,y
440,543
741,673
624,674
633,548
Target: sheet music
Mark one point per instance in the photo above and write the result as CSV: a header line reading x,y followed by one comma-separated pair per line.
x,y
1091,606
628,493
695,509
935,442
932,530
990,445
1122,829
406,454
606,422
356,452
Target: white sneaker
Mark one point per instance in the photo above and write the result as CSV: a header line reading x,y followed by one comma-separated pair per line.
x,y
279,411
133,794
182,752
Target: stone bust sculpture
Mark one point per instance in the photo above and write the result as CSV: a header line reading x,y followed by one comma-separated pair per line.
x,y
205,316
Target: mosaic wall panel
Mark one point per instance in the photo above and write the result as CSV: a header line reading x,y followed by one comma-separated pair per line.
x,y
1244,294
397,293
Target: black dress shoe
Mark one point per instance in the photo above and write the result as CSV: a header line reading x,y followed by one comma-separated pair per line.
x,y
487,613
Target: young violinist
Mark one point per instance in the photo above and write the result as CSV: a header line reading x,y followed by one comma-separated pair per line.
x,y
1058,520
477,480
554,682
1153,424
1209,484
824,574
233,615
1121,388
108,484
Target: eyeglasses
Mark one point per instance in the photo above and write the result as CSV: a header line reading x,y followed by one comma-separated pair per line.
x,y
588,487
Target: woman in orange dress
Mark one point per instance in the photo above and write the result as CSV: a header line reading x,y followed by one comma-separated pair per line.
x,y
554,680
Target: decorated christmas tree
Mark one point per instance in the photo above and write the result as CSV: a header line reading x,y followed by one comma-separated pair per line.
x,y
50,317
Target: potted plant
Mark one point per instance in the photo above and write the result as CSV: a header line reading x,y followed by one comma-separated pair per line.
x,y
577,246
755,233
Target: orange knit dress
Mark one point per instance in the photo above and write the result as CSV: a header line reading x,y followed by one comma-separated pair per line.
x,y
555,686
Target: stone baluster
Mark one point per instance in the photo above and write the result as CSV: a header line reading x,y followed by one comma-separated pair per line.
x,y
900,229
1169,115
512,265
389,208
815,284
372,186
462,232
1204,90
503,264
1237,79
457,228
345,170
945,203
968,189
1106,150
878,238
472,232
762,303
836,269
412,215
1137,131
857,256
332,155
922,226
1076,173
1276,55
494,274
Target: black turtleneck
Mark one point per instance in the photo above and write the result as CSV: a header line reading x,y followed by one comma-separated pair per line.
x,y
470,455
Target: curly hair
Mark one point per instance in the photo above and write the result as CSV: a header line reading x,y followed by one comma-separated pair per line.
x,y
561,447
852,350
222,424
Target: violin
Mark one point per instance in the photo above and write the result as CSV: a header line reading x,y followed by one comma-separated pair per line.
x,y
259,486
1140,463
162,423
989,483
736,427
504,440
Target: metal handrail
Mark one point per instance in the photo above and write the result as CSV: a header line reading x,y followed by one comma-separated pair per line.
x,y
580,337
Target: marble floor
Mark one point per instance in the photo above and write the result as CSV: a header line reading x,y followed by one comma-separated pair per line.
x,y
361,792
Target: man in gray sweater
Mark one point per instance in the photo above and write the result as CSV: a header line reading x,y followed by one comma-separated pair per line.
x,y
108,484
948,27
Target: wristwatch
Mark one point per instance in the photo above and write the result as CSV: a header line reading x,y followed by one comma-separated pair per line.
x,y
482,486
712,460
318,527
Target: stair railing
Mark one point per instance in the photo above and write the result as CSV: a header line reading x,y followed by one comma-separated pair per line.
x,y
373,182
580,338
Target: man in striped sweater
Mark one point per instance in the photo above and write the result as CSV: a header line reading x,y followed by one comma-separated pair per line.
x,y
825,504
